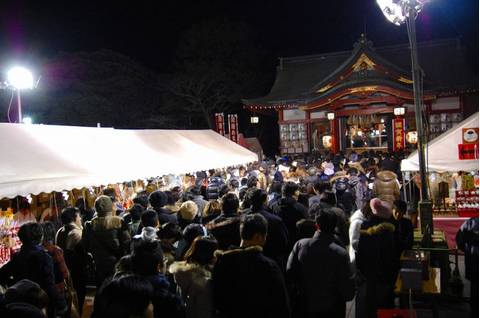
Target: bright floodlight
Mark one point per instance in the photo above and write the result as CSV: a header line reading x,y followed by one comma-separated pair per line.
x,y
392,11
20,78
27,120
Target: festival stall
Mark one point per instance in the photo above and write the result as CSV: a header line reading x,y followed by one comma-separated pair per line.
x,y
41,159
452,167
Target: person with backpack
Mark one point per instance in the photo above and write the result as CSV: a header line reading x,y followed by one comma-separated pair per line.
x,y
345,198
213,188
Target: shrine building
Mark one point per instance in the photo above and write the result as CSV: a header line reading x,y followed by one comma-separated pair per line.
x,y
363,99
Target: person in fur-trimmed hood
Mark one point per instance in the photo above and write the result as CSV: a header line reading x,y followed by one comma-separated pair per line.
x,y
386,186
194,278
245,282
376,260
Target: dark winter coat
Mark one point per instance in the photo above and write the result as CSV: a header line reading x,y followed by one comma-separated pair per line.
x,y
248,284
107,238
33,262
467,241
226,229
276,247
164,216
347,201
403,235
165,303
377,263
321,271
290,211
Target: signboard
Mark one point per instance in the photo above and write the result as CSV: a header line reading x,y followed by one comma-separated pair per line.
x,y
468,152
398,134
470,135
219,124
233,127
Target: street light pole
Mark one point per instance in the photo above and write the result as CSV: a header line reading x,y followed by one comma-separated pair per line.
x,y
398,12
19,106
425,205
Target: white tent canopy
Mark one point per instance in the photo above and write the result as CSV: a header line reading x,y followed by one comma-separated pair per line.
x,y
442,152
45,158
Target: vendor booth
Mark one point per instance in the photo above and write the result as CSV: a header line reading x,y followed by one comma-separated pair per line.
x,y
43,161
452,167
43,158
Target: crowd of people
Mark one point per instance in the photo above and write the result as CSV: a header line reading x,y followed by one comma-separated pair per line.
x,y
271,239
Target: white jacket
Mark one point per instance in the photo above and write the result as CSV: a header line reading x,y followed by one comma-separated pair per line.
x,y
356,221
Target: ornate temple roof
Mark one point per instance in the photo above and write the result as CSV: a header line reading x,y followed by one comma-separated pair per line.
x,y
305,79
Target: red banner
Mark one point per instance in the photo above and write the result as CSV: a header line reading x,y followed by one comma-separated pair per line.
x,y
219,124
398,134
233,127
468,151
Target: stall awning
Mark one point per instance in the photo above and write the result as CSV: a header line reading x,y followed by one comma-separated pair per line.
x,y
45,158
442,152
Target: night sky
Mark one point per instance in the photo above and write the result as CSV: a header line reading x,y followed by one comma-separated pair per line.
x,y
148,31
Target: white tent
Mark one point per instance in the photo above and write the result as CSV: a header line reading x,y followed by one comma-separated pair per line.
x,y
45,158
442,152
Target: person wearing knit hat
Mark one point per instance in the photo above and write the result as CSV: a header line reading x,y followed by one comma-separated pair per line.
x,y
103,205
158,199
107,237
187,213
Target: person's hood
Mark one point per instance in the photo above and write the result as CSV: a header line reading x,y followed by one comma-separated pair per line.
x,y
239,251
187,274
386,175
378,229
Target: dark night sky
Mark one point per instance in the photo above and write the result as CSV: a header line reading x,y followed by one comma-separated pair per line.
x,y
148,31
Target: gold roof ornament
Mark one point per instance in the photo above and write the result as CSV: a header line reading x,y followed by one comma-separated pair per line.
x,y
363,63
405,80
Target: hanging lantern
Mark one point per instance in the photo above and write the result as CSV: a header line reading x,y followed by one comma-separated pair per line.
x,y
412,137
327,141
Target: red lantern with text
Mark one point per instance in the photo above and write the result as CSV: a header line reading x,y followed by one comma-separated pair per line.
x,y
398,134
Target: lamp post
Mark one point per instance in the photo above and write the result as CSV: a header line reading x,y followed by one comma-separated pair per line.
x,y
398,12
20,78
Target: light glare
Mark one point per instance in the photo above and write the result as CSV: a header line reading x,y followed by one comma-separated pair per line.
x,y
20,78
392,11
27,120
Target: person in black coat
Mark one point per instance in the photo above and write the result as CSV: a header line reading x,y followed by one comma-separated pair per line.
x,y
377,261
32,262
276,246
328,200
246,283
158,200
289,210
404,227
467,241
226,227
321,271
